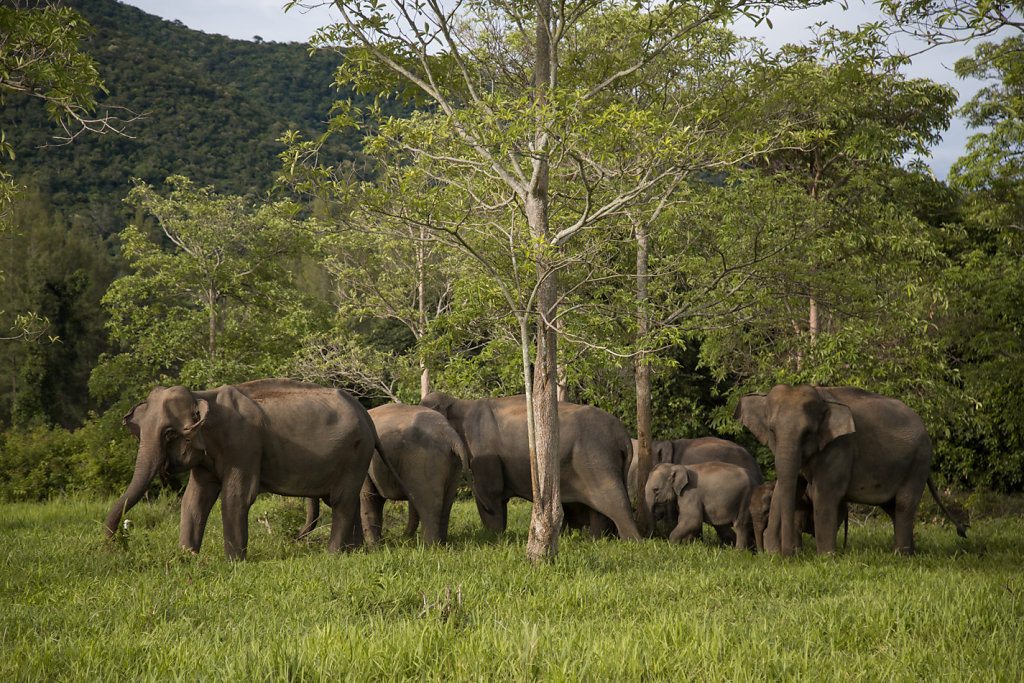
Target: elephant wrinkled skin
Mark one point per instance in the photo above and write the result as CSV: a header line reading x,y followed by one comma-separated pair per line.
x,y
803,513
428,459
849,444
594,452
693,451
690,495
272,435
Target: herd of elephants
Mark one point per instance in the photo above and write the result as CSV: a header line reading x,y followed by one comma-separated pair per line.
x,y
832,446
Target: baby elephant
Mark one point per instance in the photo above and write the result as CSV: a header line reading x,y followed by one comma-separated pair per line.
x,y
714,492
803,512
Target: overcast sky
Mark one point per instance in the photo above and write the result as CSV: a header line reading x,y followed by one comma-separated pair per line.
x,y
244,19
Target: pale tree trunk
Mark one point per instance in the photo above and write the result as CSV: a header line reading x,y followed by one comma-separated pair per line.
x,y
212,349
546,519
643,386
421,303
812,320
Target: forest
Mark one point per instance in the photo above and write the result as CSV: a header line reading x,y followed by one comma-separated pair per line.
x,y
718,219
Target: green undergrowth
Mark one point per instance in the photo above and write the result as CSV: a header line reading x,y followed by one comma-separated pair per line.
x,y
76,607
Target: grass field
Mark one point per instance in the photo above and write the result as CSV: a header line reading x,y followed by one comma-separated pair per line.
x,y
76,608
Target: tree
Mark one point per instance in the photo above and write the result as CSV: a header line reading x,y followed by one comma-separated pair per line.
x,y
829,313
984,324
41,57
529,144
385,267
55,272
211,298
950,21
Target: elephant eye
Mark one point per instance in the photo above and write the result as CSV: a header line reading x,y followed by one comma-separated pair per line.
x,y
169,434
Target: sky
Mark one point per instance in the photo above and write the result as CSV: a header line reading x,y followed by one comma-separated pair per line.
x,y
245,19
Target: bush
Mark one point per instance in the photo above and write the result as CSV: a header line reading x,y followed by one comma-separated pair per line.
x,y
40,462
36,463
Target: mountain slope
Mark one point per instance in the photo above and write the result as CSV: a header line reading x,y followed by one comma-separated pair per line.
x,y
213,107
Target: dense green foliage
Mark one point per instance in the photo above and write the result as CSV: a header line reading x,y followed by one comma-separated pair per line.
x,y
819,259
78,607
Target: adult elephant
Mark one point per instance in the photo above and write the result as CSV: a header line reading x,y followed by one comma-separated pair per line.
x,y
693,452
593,454
273,435
428,458
850,445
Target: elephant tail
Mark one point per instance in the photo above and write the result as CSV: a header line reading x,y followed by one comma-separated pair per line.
x,y
961,528
461,449
391,468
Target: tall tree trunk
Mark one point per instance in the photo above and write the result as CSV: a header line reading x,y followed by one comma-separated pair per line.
x,y
421,304
546,519
643,384
213,335
812,319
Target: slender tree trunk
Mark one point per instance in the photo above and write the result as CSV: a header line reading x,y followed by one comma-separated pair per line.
x,y
812,319
421,303
643,384
213,335
546,519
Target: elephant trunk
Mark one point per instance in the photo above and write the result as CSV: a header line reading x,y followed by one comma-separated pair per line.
x,y
146,467
779,534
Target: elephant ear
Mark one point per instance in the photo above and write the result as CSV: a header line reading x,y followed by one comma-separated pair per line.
x,y
837,421
661,451
752,413
193,431
439,401
680,478
133,417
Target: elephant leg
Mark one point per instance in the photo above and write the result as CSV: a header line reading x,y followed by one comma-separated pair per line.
x,y
371,510
489,492
686,531
312,517
744,533
726,534
600,525
904,510
826,524
237,497
200,495
345,528
444,514
611,501
414,521
759,523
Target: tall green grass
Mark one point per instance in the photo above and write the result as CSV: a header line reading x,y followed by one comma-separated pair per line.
x,y
74,607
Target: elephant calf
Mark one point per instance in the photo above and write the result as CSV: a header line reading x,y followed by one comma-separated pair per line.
x,y
715,492
803,514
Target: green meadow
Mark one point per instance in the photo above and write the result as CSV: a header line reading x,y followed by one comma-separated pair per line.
x,y
76,607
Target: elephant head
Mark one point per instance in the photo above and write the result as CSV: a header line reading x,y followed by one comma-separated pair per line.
x,y
662,492
439,401
168,425
796,423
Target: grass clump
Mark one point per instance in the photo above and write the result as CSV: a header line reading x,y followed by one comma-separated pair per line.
x,y
79,608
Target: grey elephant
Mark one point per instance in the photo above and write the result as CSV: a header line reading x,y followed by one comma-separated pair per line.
x,y
803,513
428,457
273,435
693,451
850,445
687,496
594,452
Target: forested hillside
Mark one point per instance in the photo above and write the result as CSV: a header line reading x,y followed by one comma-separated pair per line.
x,y
212,109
